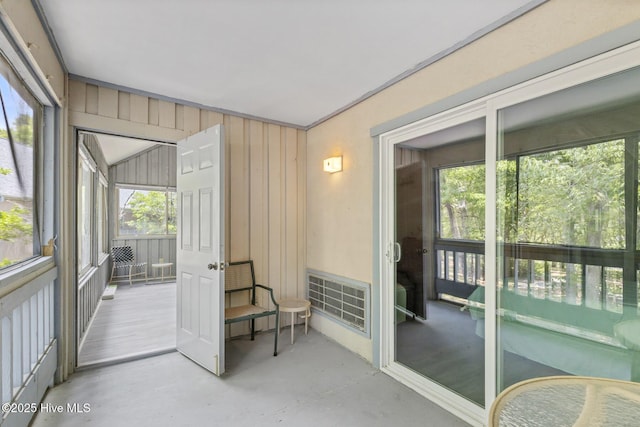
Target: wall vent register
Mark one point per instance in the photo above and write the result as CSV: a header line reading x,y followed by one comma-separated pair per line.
x,y
343,300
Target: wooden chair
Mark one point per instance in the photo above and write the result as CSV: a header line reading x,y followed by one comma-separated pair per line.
x,y
240,277
122,258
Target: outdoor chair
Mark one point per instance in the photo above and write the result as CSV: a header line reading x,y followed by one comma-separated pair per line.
x,y
122,258
240,277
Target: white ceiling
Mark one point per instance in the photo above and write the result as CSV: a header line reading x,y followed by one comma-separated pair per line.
x,y
117,148
293,61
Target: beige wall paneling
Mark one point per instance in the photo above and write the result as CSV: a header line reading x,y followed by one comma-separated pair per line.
x,y
139,110
91,101
290,181
179,116
238,184
107,102
154,112
124,105
274,206
263,193
191,120
23,16
167,114
302,213
237,208
77,96
210,118
258,238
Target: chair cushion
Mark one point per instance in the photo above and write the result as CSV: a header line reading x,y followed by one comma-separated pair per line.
x,y
242,311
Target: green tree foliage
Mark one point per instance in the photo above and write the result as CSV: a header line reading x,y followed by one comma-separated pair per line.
x,y
462,202
14,223
148,211
573,196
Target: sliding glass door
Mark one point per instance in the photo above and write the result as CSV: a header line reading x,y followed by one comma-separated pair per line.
x,y
567,289
510,236
439,228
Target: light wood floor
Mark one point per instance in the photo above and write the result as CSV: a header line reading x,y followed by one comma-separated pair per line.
x,y
139,320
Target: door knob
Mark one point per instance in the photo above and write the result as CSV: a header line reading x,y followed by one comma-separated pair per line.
x,y
213,266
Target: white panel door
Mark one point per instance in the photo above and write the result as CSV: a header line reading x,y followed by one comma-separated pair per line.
x,y
200,248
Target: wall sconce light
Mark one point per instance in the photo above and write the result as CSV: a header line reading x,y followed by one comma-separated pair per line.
x,y
332,164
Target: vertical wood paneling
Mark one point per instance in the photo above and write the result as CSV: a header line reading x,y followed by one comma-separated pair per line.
x,y
139,108
167,114
77,96
91,102
275,209
107,102
302,214
265,190
291,214
141,169
179,116
238,209
153,171
154,112
210,118
155,166
124,106
191,120
257,197
163,162
171,154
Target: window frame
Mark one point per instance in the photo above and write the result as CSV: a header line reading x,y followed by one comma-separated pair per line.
x,y
84,158
42,206
157,188
102,223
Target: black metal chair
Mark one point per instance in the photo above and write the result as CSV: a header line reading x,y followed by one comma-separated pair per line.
x,y
240,277
122,258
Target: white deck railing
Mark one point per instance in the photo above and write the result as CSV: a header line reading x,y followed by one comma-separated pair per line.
x,y
90,291
28,350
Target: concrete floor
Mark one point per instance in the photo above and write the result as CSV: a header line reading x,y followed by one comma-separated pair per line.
x,y
314,382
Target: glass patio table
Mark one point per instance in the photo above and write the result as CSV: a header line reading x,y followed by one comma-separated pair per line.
x,y
567,401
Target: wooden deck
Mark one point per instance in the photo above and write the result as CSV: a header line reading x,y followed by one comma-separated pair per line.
x,y
139,320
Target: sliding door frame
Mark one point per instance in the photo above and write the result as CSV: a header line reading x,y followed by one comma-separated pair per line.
x,y
608,63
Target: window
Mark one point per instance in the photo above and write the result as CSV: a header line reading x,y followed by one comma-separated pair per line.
x,y
462,200
103,219
146,211
18,151
572,196
86,171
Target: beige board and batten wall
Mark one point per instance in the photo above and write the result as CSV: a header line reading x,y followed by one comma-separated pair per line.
x,y
339,206
265,176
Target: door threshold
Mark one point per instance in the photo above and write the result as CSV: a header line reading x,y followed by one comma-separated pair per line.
x,y
124,359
